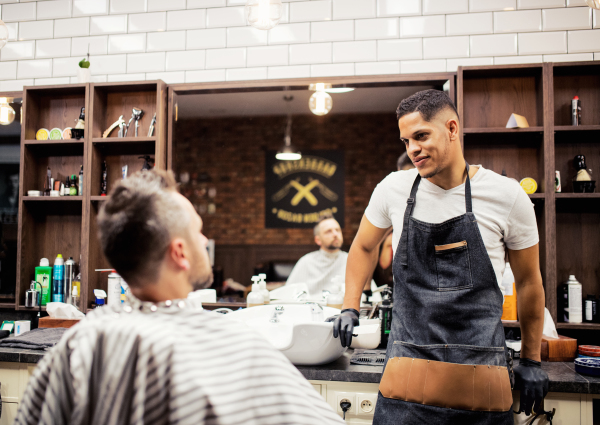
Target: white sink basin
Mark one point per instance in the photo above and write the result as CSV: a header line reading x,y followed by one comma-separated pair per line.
x,y
300,333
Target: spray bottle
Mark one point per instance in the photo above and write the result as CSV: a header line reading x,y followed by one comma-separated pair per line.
x,y
58,279
263,288
336,296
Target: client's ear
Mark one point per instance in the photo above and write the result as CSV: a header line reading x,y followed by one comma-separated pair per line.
x,y
177,252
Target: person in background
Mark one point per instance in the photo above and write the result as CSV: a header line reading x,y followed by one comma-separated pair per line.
x,y
153,359
317,269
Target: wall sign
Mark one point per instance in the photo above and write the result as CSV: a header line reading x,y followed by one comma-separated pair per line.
x,y
297,193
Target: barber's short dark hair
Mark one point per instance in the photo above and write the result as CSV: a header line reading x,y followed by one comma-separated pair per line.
x,y
137,223
322,218
427,102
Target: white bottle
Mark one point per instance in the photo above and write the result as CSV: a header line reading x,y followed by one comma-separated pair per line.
x,y
255,298
75,297
336,296
263,288
574,292
114,289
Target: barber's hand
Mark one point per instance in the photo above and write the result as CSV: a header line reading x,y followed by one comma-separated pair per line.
x,y
532,381
343,325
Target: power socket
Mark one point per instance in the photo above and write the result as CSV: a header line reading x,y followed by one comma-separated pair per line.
x,y
342,396
365,403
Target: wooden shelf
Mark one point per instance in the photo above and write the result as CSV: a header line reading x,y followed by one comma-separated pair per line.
x,y
588,326
577,128
54,142
22,307
577,195
537,196
123,139
495,130
98,198
52,198
7,305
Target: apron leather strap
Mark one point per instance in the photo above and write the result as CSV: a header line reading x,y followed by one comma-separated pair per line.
x,y
410,204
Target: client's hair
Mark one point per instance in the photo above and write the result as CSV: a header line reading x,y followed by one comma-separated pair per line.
x,y
137,223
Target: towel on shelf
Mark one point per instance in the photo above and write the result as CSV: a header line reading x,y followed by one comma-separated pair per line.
x,y
35,339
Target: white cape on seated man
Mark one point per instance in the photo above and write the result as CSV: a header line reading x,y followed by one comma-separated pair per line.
x,y
156,359
317,269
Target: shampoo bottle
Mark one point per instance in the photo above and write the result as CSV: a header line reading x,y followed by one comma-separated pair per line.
x,y
58,279
43,275
255,298
509,308
80,188
263,288
571,297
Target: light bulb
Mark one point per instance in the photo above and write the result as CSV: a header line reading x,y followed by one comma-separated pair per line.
x,y
264,14
594,4
3,34
320,103
7,113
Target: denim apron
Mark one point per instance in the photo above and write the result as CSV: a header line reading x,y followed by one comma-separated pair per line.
x,y
447,307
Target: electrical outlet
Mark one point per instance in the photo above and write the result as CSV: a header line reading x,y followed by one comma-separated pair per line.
x,y
365,403
351,397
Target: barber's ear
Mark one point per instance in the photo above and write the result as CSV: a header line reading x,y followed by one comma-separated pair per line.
x,y
452,126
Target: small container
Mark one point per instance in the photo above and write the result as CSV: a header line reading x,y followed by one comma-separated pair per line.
x,y
22,326
591,309
571,300
263,288
557,185
100,297
576,111
255,298
55,134
335,299
33,193
32,296
55,193
114,289
75,297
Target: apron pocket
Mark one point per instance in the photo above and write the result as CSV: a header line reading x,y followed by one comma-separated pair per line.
x,y
453,266
451,353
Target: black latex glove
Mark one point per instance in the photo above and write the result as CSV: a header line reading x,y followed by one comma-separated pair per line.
x,y
343,325
532,381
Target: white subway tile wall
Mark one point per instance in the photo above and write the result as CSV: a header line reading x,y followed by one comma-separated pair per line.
x,y
209,40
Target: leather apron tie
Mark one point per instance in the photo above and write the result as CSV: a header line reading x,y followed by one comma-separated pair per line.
x,y
445,360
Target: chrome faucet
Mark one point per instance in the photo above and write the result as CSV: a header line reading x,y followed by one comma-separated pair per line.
x,y
300,294
316,311
276,313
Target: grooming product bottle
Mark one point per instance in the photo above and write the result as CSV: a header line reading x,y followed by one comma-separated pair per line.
x,y
75,297
336,296
571,300
557,185
48,183
576,111
113,294
263,288
73,189
509,308
69,275
77,287
385,314
104,179
80,192
58,279
255,298
32,296
67,188
591,309
43,275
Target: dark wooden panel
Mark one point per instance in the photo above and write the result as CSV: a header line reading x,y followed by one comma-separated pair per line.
x,y
238,261
581,80
96,259
570,144
489,102
578,242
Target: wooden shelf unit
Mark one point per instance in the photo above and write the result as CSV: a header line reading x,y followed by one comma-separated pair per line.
x,y
67,225
568,222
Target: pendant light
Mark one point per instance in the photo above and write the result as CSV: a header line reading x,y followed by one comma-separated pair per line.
x,y
594,4
320,103
264,14
7,113
288,152
3,34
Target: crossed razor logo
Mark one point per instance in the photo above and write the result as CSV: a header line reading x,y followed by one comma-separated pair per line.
x,y
305,192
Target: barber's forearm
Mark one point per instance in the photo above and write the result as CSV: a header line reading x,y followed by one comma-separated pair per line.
x,y
530,303
359,268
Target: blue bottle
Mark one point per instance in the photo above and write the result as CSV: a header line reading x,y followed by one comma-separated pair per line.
x,y
58,279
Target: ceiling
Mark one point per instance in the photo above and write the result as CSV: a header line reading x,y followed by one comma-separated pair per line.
x,y
363,100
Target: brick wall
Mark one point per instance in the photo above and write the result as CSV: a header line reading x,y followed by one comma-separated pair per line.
x,y
232,153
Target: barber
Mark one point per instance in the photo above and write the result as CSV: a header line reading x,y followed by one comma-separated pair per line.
x,y
446,356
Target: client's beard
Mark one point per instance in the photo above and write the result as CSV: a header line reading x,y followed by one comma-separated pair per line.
x,y
203,283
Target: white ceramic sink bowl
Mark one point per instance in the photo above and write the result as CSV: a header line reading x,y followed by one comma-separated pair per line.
x,y
301,335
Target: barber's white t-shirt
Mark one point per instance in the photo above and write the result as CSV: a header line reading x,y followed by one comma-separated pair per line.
x,y
504,212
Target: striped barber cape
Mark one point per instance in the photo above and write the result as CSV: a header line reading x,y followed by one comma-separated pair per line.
x,y
140,363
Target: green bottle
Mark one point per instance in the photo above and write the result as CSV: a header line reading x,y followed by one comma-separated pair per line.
x,y
73,188
43,275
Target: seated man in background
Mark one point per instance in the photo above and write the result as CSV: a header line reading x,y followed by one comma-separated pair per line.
x,y
316,269
154,359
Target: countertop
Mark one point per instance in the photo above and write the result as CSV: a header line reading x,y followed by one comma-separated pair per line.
x,y
563,377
